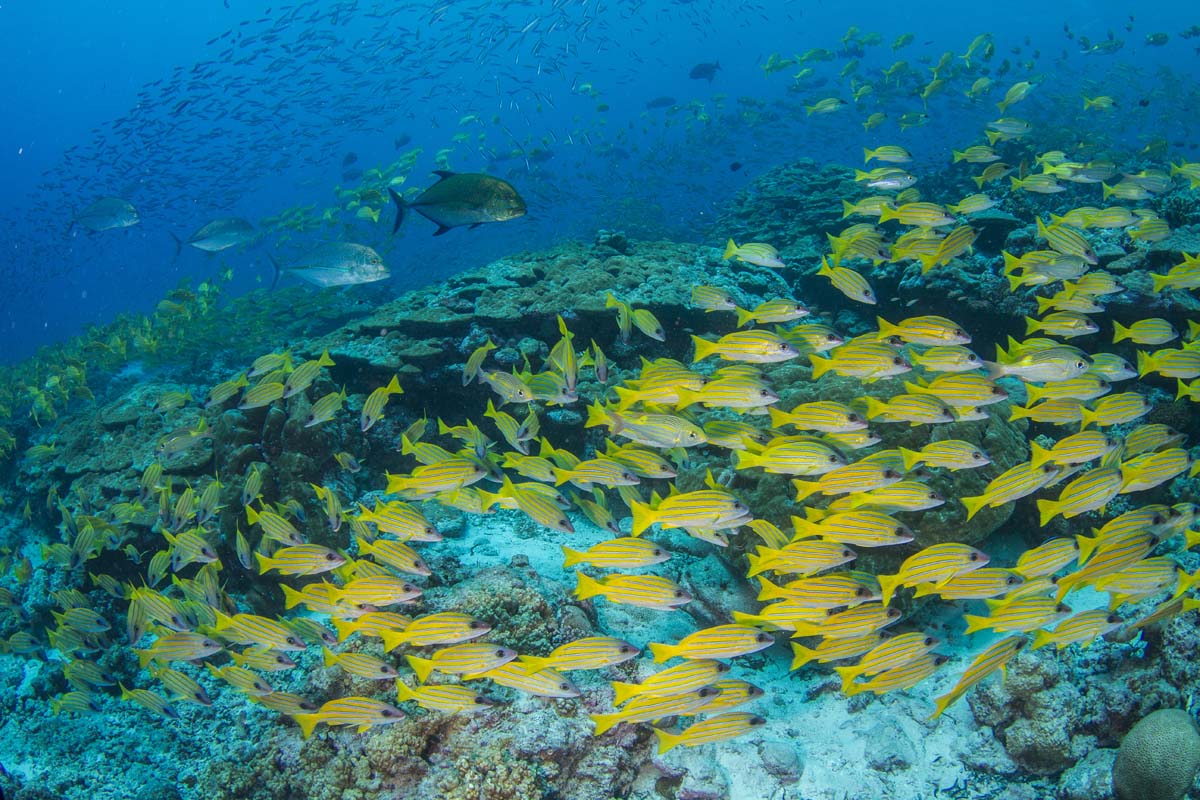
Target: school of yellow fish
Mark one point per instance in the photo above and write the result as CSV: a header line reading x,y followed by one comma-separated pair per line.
x,y
720,397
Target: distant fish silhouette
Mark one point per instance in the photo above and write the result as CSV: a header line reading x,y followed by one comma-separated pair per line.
x,y
661,102
705,71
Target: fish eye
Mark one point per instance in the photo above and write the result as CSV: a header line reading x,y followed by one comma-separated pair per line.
x,y
562,523
707,691
1063,608
899,530
974,556
930,641
892,613
281,659
679,593
975,454
1112,619
831,337
294,642
1080,365
564,686
971,357
846,553
1011,580
763,393
479,701
897,360
387,712
763,637
476,624
853,418
833,459
959,332
722,667
329,556
625,648
500,653
656,551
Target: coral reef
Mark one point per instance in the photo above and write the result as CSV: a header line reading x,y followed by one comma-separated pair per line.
x,y
1158,758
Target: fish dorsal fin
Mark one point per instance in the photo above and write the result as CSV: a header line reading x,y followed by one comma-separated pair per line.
x,y
441,229
444,173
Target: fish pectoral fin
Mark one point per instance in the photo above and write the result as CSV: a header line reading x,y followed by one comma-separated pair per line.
x,y
441,229
444,173
476,225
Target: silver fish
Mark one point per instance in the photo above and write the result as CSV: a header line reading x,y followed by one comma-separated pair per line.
x,y
337,264
106,214
468,198
218,235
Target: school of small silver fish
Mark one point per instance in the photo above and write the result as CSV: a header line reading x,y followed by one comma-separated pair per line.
x,y
184,626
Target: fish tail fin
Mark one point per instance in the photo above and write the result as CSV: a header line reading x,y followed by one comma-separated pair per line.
x,y
850,689
1086,545
307,723
941,704
875,407
744,459
743,316
1047,510
422,666
603,722
278,271
887,212
1108,190
769,591
623,691
178,244
144,657
328,657
1015,282
1145,363
887,587
819,364
804,489
586,586
867,156
1038,455
535,664
393,639
1041,639
1158,281
975,622
663,652
704,348
848,675
571,557
1044,303
1120,332
730,250
643,517
910,458
801,655
404,691
973,504
400,206
1087,416
1018,412
291,598
265,564
669,741
1031,326
848,209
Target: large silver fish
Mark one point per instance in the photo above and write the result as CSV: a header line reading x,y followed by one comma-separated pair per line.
x,y
337,264
468,198
218,235
106,214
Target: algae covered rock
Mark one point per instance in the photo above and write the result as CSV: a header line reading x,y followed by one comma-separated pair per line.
x,y
1158,758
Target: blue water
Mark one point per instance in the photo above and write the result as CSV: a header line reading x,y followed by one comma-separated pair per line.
x,y
192,111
